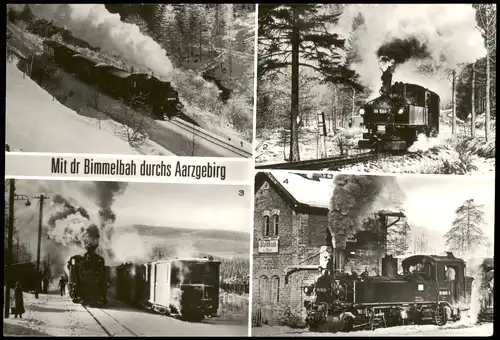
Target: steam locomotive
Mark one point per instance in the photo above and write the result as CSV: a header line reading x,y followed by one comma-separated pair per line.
x,y
88,279
429,290
395,119
137,88
487,287
187,288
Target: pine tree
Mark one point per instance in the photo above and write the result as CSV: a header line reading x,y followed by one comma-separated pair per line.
x,y
466,230
296,36
139,22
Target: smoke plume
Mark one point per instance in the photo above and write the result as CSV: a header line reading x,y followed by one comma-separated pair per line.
x,y
400,51
100,28
422,40
72,226
354,198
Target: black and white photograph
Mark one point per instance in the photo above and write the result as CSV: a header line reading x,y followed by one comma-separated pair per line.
x,y
368,255
377,88
151,79
94,258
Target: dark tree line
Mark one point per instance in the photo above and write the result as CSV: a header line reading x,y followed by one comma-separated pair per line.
x,y
476,82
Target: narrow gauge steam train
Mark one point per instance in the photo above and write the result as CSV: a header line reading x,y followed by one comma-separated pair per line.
x,y
429,289
395,119
188,288
160,96
487,287
88,279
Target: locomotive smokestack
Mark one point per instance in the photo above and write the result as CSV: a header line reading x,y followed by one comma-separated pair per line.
x,y
390,266
387,80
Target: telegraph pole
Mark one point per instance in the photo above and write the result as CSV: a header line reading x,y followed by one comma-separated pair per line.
x,y
40,219
8,259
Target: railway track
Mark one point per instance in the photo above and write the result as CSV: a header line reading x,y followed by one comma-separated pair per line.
x,y
332,163
110,325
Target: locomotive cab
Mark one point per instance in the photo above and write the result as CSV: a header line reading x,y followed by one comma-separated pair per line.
x,y
447,272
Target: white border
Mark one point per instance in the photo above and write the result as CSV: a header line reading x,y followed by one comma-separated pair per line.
x,y
254,172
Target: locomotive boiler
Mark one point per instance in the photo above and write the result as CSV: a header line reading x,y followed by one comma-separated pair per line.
x,y
429,289
395,119
188,288
88,278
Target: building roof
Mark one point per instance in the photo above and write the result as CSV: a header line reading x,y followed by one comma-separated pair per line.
x,y
300,192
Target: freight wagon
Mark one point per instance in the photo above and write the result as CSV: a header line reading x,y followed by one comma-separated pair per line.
x,y
187,287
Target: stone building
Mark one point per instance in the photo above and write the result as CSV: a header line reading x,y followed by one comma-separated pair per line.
x,y
290,230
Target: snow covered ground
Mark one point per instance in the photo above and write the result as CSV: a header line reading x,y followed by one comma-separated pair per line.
x,y
425,156
38,123
271,149
452,329
53,315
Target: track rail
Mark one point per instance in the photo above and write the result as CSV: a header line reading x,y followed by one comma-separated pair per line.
x,y
333,163
110,325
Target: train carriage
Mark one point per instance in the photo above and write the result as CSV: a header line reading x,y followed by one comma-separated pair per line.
x,y
60,53
83,67
112,80
188,288
26,273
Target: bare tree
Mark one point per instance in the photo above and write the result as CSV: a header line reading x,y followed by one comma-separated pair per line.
x,y
92,99
136,123
486,17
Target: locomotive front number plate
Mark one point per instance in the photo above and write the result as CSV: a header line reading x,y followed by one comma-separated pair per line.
x,y
381,128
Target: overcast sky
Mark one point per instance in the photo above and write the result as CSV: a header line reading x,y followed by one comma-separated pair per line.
x,y
431,201
170,205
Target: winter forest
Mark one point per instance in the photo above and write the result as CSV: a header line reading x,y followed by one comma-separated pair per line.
x,y
314,58
210,47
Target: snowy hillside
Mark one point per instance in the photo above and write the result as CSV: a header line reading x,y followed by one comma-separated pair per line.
x,y
28,105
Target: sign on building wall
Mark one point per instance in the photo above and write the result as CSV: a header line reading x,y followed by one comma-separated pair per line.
x,y
268,245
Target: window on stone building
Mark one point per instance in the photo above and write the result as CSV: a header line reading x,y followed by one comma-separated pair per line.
x,y
276,222
266,226
275,289
263,288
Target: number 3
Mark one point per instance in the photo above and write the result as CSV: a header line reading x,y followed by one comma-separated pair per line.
x,y
241,193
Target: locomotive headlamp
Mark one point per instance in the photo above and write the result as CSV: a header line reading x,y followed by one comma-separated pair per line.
x,y
361,111
400,111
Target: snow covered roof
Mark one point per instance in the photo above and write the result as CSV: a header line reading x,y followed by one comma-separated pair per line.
x,y
302,190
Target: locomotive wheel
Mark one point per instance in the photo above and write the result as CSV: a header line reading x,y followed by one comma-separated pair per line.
x,y
440,317
348,324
